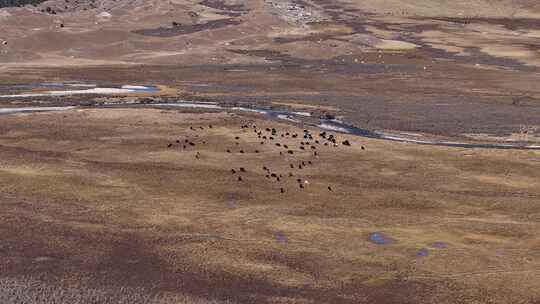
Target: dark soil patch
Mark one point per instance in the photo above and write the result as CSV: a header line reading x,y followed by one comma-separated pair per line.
x,y
266,54
233,10
179,30
509,23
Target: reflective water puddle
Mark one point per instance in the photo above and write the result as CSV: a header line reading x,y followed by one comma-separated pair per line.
x,y
381,239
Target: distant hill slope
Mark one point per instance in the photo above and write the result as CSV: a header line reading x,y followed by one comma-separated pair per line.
x,y
454,8
12,3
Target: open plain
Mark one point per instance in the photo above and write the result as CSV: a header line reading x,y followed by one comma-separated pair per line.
x,y
270,152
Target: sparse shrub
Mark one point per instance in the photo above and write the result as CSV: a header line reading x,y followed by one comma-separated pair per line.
x,y
526,132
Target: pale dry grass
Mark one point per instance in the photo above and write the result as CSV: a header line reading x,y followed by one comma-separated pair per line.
x,y
147,214
31,291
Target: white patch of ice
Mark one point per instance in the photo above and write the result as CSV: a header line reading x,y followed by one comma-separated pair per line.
x,y
410,140
104,15
72,92
306,114
4,14
133,87
398,138
330,127
97,91
287,117
197,102
188,105
81,85
33,109
249,110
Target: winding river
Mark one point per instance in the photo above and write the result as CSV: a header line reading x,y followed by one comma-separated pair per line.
x,y
298,118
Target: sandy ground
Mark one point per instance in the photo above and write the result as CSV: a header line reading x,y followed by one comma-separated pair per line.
x,y
97,198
